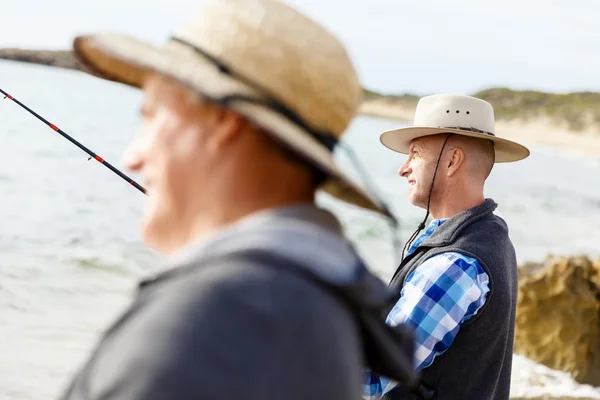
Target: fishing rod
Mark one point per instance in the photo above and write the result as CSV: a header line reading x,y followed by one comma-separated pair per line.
x,y
76,143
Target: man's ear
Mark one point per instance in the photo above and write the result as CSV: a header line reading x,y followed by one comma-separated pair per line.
x,y
226,128
455,161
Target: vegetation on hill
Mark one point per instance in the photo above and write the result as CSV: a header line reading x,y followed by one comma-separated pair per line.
x,y
578,111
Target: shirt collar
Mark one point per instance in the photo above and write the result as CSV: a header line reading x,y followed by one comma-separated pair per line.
x,y
433,225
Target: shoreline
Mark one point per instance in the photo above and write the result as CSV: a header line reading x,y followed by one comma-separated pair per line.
x,y
557,133
536,131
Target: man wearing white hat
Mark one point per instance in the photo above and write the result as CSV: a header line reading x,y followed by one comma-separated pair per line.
x,y
263,297
457,282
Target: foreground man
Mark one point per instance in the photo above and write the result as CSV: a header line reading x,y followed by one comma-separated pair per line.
x,y
457,282
264,299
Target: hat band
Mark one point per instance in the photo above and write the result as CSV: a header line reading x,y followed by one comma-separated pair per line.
x,y
325,138
462,128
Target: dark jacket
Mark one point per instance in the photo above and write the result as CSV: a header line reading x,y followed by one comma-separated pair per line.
x,y
478,363
277,306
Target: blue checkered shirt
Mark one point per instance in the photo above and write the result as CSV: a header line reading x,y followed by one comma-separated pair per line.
x,y
439,295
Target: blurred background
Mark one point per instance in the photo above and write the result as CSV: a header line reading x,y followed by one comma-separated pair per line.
x,y
70,250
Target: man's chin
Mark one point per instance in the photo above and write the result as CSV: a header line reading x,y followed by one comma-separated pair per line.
x,y
162,232
154,232
417,202
149,236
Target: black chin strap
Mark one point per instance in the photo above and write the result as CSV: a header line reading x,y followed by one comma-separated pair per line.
x,y
422,224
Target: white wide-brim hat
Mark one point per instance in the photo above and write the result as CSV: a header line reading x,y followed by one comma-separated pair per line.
x,y
261,58
461,115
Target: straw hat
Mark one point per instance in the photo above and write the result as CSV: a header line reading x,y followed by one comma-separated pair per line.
x,y
461,115
261,58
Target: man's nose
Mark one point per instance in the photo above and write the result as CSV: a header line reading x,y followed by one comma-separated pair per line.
x,y
404,170
132,159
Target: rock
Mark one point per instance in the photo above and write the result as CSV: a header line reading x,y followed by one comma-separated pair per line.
x,y
558,316
54,58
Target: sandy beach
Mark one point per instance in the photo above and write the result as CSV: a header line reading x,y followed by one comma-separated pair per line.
x,y
535,131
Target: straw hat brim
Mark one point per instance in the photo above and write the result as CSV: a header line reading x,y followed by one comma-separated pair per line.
x,y
399,141
128,60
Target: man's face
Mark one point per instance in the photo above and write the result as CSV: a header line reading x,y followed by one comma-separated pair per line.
x,y
419,168
170,153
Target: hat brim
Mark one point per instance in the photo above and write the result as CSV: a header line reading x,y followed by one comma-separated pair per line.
x,y
399,141
128,60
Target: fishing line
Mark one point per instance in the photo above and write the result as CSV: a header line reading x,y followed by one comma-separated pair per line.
x,y
394,223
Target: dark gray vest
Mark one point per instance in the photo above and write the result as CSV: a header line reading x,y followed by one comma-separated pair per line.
x,y
478,363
